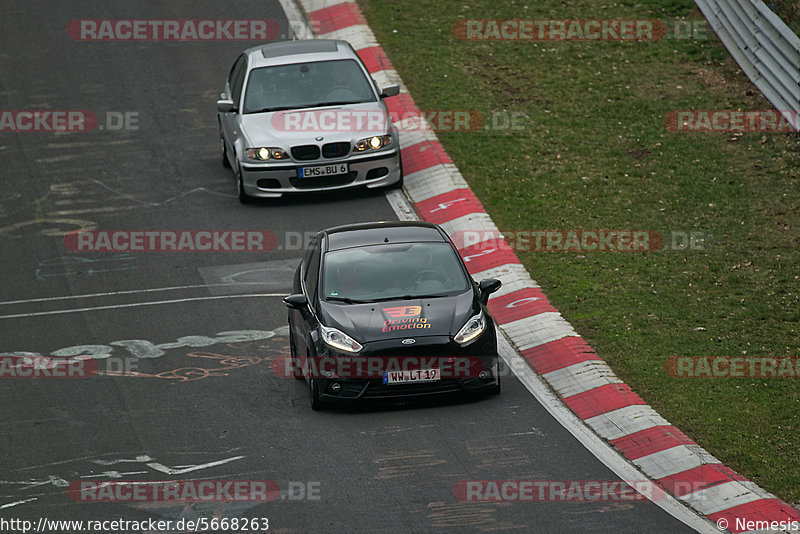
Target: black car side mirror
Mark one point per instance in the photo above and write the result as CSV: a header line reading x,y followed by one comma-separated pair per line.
x,y
296,302
487,287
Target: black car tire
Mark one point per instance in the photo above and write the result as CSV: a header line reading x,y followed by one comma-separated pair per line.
x,y
244,198
316,404
399,183
496,390
224,151
297,372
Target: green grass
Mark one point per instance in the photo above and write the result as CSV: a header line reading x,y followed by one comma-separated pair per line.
x,y
595,154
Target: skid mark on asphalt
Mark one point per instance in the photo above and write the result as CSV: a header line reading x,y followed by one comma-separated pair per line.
x,y
478,516
393,430
493,455
416,465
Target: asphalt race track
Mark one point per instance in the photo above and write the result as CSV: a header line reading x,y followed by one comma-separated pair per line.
x,y
180,396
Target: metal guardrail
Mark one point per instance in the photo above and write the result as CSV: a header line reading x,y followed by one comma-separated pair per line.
x,y
764,47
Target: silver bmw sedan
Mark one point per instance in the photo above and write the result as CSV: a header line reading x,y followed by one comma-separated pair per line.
x,y
302,116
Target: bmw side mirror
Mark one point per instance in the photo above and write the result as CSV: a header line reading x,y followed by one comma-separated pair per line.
x,y
225,105
390,90
296,302
487,287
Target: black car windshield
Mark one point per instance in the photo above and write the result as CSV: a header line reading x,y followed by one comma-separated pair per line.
x,y
305,85
392,271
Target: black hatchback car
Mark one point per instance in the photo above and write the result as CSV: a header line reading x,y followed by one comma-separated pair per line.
x,y
388,310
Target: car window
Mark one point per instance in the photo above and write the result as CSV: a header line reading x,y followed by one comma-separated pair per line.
x,y
393,271
235,70
237,80
309,84
311,275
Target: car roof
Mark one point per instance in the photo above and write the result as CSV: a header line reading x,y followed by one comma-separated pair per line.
x,y
299,51
378,233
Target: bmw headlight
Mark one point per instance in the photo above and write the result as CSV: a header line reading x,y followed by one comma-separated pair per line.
x,y
339,340
373,143
471,329
265,153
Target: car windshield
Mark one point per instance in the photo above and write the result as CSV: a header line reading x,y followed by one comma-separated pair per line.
x,y
305,85
394,271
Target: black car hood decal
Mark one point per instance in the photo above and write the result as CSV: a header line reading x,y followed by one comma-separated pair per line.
x,y
402,318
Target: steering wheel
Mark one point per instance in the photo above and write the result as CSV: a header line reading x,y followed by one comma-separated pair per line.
x,y
345,93
430,274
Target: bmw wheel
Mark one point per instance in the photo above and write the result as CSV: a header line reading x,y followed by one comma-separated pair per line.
x,y
224,151
244,198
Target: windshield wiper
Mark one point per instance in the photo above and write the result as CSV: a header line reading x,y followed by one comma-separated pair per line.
x,y
281,108
348,300
342,103
409,297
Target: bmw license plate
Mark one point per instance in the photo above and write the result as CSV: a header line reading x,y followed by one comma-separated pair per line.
x,y
323,170
411,377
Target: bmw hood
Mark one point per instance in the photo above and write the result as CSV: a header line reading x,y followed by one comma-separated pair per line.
x,y
334,123
403,318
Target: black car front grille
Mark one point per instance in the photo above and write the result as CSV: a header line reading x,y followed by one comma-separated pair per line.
x,y
417,349
305,152
335,150
377,390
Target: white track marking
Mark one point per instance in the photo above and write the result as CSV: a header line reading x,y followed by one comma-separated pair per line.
x,y
9,505
297,20
173,471
126,292
674,460
581,377
726,495
137,304
401,206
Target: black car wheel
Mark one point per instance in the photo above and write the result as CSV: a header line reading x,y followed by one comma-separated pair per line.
x,y
399,183
297,372
224,152
496,390
244,198
316,403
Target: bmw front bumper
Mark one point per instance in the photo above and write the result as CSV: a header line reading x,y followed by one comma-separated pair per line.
x,y
272,180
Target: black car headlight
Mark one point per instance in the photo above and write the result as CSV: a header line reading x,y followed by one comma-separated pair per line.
x,y
265,153
339,340
471,329
373,143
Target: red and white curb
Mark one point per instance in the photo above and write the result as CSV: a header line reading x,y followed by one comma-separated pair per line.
x,y
583,381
